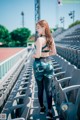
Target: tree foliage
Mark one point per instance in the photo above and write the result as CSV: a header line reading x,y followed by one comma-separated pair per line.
x,y
4,35
16,38
75,23
20,36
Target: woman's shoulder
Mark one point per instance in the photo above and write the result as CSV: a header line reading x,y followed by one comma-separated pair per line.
x,y
40,40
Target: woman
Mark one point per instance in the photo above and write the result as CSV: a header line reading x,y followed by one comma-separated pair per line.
x,y
42,66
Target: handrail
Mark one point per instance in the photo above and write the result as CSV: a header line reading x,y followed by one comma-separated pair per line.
x,y
6,65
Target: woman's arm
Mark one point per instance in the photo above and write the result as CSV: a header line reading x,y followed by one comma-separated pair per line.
x,y
53,51
38,48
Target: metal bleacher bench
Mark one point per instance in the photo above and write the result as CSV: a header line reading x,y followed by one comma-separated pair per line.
x,y
66,89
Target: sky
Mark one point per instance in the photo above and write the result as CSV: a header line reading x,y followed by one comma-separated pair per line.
x,y
10,13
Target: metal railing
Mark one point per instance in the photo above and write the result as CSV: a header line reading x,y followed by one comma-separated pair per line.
x,y
6,65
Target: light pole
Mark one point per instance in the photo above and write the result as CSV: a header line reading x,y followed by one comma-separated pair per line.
x,y
59,2
22,13
72,15
62,20
37,15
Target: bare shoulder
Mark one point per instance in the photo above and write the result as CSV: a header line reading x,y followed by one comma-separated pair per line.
x,y
40,40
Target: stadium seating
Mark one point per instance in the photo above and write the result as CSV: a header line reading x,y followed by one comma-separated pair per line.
x,y
18,98
18,119
67,92
16,105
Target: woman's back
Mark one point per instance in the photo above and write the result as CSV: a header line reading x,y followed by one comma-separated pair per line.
x,y
44,45
45,51
42,65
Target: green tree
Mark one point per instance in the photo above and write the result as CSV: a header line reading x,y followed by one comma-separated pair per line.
x,y
20,36
75,23
4,36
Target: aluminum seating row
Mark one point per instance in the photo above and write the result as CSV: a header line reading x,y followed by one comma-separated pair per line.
x,y
15,94
18,102
6,87
66,87
70,54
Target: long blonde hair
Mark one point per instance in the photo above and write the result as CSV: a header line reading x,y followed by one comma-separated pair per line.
x,y
49,39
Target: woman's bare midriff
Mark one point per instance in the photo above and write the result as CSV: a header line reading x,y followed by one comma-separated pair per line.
x,y
44,54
